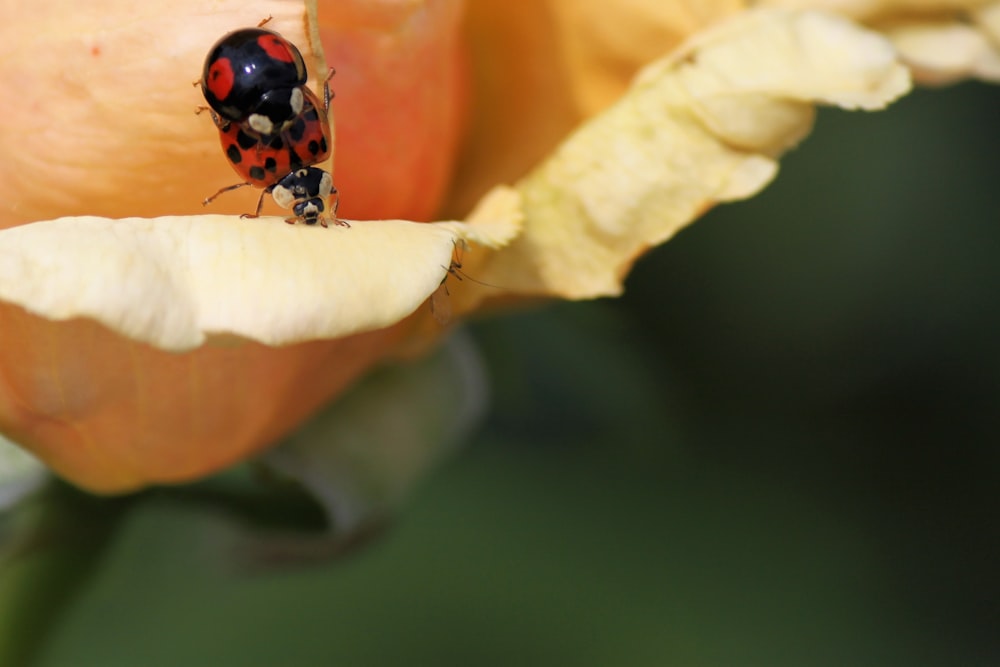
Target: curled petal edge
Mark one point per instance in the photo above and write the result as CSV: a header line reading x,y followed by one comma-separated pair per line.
x,y
702,126
179,282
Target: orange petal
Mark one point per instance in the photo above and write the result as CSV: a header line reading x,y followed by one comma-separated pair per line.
x,y
541,67
112,415
604,49
400,102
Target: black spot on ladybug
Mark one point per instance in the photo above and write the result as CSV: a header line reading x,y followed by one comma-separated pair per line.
x,y
245,140
314,148
256,173
295,161
297,130
234,154
271,165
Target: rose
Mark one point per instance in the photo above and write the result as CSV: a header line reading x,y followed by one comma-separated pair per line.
x,y
142,351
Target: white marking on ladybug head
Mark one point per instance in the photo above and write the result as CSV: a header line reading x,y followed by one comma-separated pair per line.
x,y
282,196
311,209
325,185
261,123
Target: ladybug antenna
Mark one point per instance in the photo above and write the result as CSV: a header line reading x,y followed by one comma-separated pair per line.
x,y
455,267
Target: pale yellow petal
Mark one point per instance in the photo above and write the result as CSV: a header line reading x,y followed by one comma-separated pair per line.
x,y
864,10
940,53
698,128
173,282
942,41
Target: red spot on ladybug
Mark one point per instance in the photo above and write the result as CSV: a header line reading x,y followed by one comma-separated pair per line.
x,y
220,78
276,47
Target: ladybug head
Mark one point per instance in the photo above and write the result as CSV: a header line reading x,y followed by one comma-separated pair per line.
x,y
304,191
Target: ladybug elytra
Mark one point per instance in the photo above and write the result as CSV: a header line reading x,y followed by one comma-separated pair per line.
x,y
262,159
255,76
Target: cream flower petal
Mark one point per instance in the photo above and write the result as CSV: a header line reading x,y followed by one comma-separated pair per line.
x,y
946,52
942,41
865,10
173,282
700,127
941,50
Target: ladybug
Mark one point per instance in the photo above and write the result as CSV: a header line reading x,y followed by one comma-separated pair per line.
x,y
255,77
269,145
262,159
305,191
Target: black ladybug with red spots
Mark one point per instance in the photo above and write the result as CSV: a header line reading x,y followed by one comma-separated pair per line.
x,y
255,77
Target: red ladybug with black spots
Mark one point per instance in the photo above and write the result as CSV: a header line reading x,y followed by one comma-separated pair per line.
x,y
262,159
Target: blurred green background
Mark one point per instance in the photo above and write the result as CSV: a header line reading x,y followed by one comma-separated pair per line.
x,y
779,448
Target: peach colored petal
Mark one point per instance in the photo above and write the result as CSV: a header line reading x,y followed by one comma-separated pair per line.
x,y
522,97
401,89
603,48
112,415
701,127
542,67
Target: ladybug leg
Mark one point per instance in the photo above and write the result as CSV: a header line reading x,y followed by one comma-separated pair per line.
x,y
336,204
260,205
327,93
290,221
209,200
265,21
219,123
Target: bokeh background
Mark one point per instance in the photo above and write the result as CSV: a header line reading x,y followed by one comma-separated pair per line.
x,y
779,448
